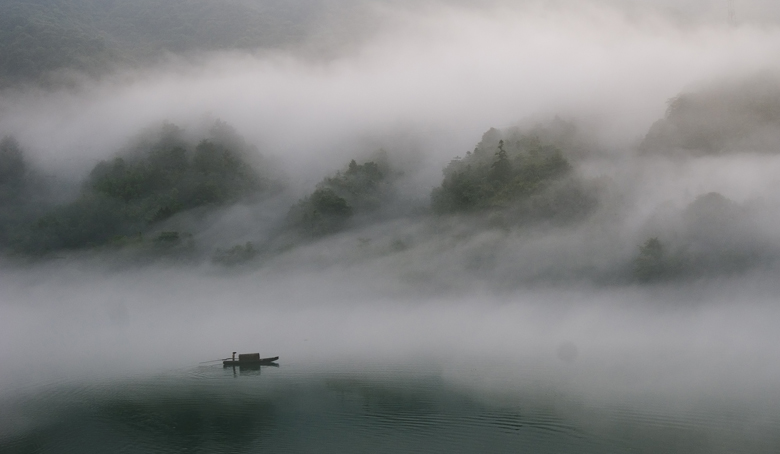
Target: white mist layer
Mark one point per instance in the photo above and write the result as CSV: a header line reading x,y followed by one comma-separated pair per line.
x,y
710,339
437,77
430,82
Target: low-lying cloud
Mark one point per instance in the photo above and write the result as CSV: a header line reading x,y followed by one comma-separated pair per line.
x,y
438,77
551,303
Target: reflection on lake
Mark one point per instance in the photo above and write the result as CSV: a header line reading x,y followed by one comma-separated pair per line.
x,y
108,362
290,409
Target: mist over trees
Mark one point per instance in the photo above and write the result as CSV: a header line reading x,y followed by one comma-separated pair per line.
x,y
527,201
515,180
25,193
360,189
711,236
728,117
124,198
521,176
13,172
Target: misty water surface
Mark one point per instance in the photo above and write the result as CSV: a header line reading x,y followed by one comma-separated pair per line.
x,y
575,370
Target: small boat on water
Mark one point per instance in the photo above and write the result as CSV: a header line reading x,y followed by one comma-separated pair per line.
x,y
249,360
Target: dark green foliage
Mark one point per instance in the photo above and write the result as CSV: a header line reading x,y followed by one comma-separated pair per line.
x,y
361,188
363,185
327,203
12,167
129,194
524,177
90,221
651,264
236,255
169,180
13,173
21,192
171,241
320,213
168,237
501,169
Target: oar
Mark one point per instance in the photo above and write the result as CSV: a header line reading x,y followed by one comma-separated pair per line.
x,y
213,360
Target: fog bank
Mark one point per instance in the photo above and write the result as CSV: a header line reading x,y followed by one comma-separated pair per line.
x,y
542,302
431,80
700,340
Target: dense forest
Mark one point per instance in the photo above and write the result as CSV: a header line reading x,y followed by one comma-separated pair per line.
x,y
514,183
359,189
16,185
521,176
512,176
162,174
130,195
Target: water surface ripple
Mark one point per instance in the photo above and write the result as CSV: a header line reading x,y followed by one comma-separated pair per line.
x,y
291,410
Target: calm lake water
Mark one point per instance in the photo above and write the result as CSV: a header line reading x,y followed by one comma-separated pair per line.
x,y
394,410
109,362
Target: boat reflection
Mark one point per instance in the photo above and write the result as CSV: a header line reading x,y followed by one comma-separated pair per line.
x,y
249,369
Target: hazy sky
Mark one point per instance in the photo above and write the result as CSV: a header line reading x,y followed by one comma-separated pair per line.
x,y
431,78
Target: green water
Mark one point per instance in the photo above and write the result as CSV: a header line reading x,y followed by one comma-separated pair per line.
x,y
291,409
110,364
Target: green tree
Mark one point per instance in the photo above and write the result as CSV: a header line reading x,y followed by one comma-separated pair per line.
x,y
520,176
501,169
12,164
652,263
327,202
131,193
321,213
360,188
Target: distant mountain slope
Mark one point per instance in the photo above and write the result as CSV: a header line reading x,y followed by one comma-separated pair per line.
x,y
155,178
38,37
743,116
515,173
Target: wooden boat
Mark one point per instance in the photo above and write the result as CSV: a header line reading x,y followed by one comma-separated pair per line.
x,y
249,360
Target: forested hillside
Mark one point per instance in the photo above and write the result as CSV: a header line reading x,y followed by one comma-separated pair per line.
x,y
516,174
738,117
128,196
359,189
